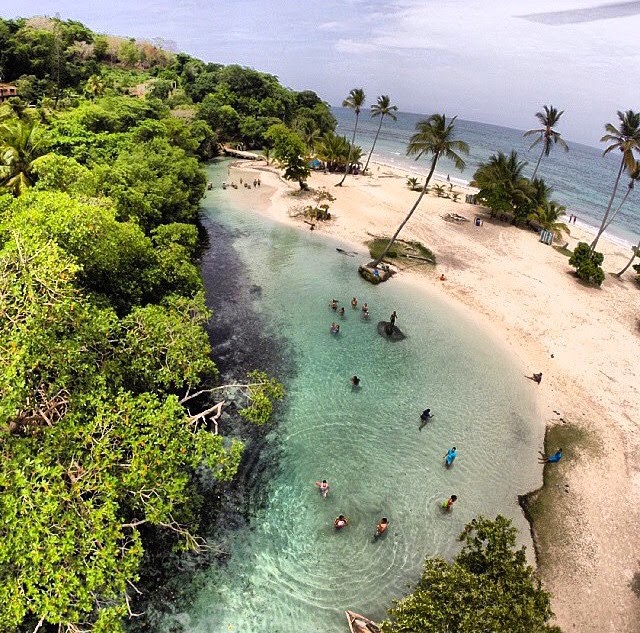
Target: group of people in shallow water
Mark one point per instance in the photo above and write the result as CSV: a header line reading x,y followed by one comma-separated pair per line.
x,y
333,304
341,521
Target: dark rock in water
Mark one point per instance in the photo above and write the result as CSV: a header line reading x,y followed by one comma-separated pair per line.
x,y
391,332
256,290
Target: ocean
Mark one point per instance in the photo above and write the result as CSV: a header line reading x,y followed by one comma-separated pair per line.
x,y
581,179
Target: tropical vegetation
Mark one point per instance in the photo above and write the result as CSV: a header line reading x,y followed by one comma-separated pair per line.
x,y
626,139
382,108
354,101
547,136
435,137
588,264
488,587
109,397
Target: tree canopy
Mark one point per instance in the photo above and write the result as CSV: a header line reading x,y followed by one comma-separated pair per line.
x,y
488,587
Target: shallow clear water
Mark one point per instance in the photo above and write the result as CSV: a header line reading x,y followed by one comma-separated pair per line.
x,y
582,178
291,570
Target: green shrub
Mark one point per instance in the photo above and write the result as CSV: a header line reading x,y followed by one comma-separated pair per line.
x,y
587,264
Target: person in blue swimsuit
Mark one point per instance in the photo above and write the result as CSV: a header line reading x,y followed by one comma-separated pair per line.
x,y
450,456
550,459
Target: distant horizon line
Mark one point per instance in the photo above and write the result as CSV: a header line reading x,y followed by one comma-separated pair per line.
x,y
504,127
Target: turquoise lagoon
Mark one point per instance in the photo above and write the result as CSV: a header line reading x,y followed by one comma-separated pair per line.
x,y
290,570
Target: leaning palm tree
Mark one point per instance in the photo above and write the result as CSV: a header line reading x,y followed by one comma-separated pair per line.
x,y
434,136
626,139
354,101
20,145
634,176
546,135
382,108
635,253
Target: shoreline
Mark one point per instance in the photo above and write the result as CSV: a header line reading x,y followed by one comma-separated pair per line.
x,y
583,339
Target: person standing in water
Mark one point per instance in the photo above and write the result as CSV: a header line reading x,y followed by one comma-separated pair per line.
x,y
382,526
425,416
354,303
340,522
450,456
355,381
393,318
324,487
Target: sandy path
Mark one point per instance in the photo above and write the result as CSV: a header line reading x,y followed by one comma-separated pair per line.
x,y
525,290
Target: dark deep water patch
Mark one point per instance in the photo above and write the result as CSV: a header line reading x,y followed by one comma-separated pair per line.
x,y
241,342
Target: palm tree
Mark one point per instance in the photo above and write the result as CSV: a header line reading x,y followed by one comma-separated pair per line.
x,y
354,101
546,216
547,135
434,136
20,145
626,138
636,253
382,108
335,151
634,175
502,186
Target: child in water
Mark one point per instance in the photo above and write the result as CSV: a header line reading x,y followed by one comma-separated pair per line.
x,y
447,504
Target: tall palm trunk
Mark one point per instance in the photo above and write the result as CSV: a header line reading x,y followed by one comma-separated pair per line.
x,y
413,208
636,250
606,213
375,140
353,140
615,213
535,171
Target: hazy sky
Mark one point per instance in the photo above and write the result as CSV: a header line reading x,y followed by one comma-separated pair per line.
x,y
496,61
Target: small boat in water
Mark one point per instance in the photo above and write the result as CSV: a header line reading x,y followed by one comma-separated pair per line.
x,y
359,624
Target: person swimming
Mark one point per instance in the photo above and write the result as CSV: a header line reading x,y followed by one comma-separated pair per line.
x,y
365,311
355,381
340,522
382,526
450,456
341,311
324,487
335,328
354,303
333,304
447,504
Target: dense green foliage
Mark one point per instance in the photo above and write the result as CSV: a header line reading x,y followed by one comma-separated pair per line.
x,y
588,264
289,149
488,587
102,336
506,192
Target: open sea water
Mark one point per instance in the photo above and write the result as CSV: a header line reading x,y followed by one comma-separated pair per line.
x,y
290,570
582,178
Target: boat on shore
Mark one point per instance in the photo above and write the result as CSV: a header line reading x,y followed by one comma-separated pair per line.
x,y
359,624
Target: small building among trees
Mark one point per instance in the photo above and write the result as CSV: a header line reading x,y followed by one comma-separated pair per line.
x,y
7,91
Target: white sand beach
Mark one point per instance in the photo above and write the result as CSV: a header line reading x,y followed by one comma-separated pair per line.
x,y
585,341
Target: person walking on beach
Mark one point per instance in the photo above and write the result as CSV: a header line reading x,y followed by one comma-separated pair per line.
x,y
550,459
425,416
324,487
450,456
447,504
